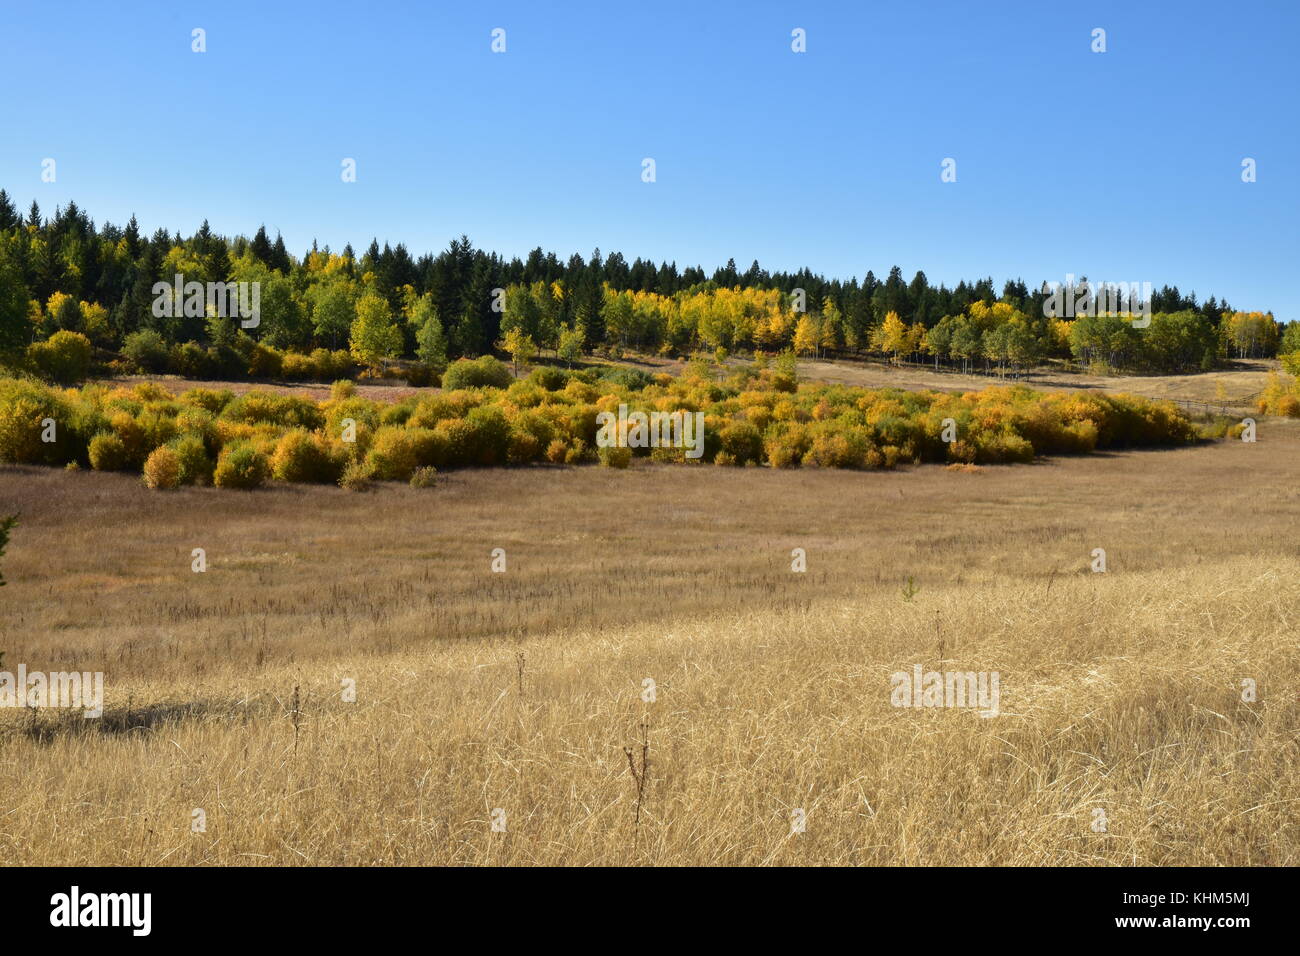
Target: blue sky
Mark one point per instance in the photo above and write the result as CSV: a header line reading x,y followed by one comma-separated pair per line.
x,y
1124,165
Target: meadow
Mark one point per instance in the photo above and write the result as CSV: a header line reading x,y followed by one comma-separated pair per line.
x,y
944,524
506,699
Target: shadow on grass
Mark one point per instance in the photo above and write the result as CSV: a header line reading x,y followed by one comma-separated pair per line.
x,y
45,725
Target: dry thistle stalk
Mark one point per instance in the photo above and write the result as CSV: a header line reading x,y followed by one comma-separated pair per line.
x,y
640,777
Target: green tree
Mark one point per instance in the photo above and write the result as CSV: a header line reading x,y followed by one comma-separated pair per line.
x,y
375,336
1024,349
939,339
15,330
431,341
1290,339
521,347
521,312
549,299
570,347
283,324
333,309
617,315
1105,339
966,342
63,358
787,367
65,313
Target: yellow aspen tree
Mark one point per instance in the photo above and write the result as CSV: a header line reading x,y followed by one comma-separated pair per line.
x,y
805,336
520,346
893,334
830,334
916,339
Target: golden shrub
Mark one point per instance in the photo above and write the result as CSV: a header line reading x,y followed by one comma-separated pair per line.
x,y
241,466
392,454
747,421
162,469
615,456
108,453
300,456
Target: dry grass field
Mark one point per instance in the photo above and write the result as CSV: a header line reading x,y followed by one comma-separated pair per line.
x,y
479,692
1235,387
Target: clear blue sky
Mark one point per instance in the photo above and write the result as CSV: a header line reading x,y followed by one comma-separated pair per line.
x,y
1123,165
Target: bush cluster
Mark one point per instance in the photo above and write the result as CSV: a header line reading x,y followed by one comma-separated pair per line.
x,y
147,352
63,358
1280,397
205,436
483,372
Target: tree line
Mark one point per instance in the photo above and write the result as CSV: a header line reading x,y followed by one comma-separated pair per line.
x,y
65,274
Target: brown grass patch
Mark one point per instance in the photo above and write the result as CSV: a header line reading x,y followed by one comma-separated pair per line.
x,y
1120,691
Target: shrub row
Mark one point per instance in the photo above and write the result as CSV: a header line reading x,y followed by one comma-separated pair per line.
x,y
146,351
206,436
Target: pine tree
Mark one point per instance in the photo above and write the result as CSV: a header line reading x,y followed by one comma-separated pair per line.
x,y
132,237
280,256
261,248
14,327
8,213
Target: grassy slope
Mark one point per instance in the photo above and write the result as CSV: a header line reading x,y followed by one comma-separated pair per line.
x,y
1120,691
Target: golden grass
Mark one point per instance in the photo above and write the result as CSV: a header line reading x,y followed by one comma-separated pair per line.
x,y
1119,691
1236,387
